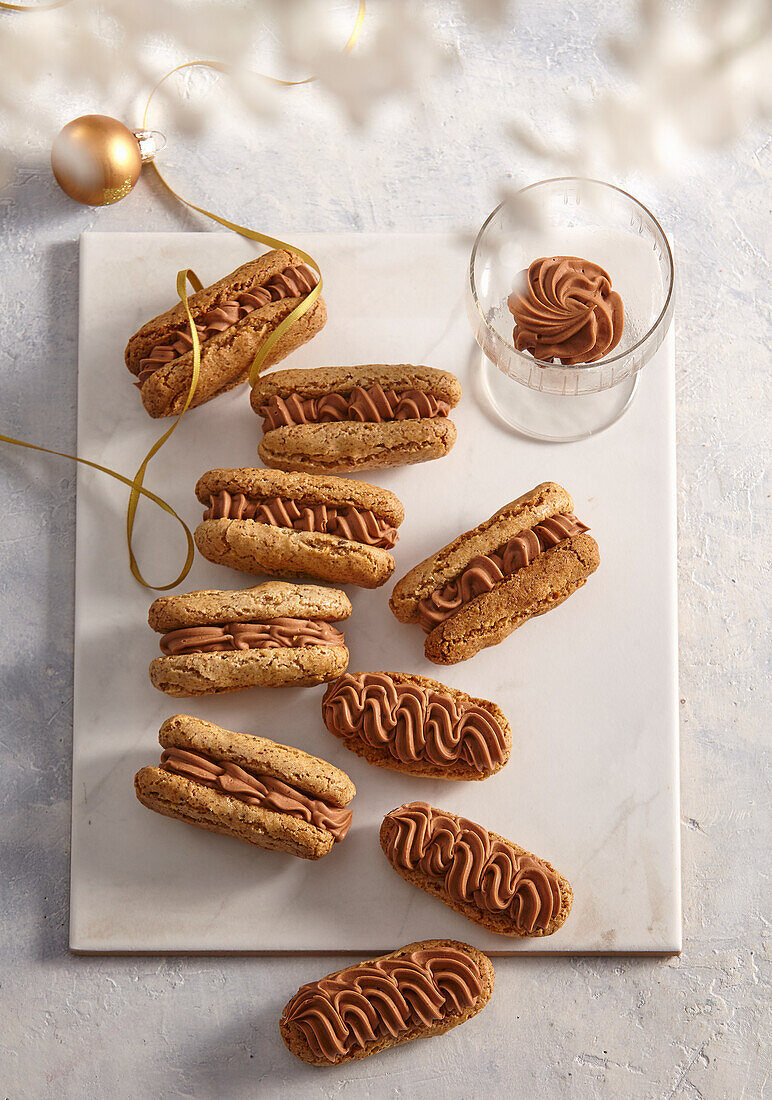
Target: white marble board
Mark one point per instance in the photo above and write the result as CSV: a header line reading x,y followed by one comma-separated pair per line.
x,y
591,689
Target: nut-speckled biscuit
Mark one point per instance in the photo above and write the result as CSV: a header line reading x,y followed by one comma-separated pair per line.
x,y
456,976
532,589
417,726
526,896
350,444
225,356
286,615
176,795
263,544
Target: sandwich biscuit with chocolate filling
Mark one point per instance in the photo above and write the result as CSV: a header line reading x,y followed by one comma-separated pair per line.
x,y
233,317
290,525
336,419
269,795
273,635
523,561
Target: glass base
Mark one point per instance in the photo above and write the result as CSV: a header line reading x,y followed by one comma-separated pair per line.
x,y
554,418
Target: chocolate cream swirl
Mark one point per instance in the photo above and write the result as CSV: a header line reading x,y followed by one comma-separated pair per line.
x,y
348,522
414,724
383,998
292,282
471,866
568,311
256,790
372,405
486,570
279,633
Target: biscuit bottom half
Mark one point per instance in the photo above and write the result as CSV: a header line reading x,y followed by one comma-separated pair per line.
x,y
192,674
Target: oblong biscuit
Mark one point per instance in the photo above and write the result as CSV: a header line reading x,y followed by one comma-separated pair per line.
x,y
539,587
283,552
271,600
307,773
322,380
177,797
345,446
244,278
297,1044
494,922
187,675
227,357
336,492
519,515
460,770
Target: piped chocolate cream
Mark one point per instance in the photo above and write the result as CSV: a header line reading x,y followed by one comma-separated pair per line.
x,y
472,866
364,405
279,633
357,524
256,790
567,311
292,282
415,724
386,997
486,570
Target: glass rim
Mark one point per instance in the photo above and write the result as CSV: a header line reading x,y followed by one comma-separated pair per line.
x,y
600,363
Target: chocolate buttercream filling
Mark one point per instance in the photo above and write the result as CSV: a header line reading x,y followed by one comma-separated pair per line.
x,y
486,570
365,405
279,633
348,522
472,867
256,790
414,724
365,1003
292,282
567,311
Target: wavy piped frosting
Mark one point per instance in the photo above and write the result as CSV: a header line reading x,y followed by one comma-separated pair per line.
x,y
386,997
292,282
372,405
414,724
348,522
471,866
568,311
257,790
486,570
279,633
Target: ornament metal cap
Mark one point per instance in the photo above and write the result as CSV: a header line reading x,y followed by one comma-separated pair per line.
x,y
151,143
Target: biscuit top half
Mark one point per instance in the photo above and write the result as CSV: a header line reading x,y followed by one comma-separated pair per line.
x,y
547,499
271,600
335,492
323,380
260,756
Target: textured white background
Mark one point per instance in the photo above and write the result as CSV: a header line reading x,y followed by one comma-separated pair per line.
x,y
690,1027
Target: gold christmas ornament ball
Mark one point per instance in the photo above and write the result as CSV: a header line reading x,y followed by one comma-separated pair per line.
x,y
96,160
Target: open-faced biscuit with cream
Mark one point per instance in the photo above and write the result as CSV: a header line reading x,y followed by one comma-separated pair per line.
x,y
290,525
250,788
421,990
338,419
523,561
483,876
233,316
273,635
417,726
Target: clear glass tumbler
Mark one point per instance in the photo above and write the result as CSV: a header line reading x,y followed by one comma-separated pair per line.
x,y
570,216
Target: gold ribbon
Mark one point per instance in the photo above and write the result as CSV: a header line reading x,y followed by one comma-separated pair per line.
x,y
33,7
136,484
